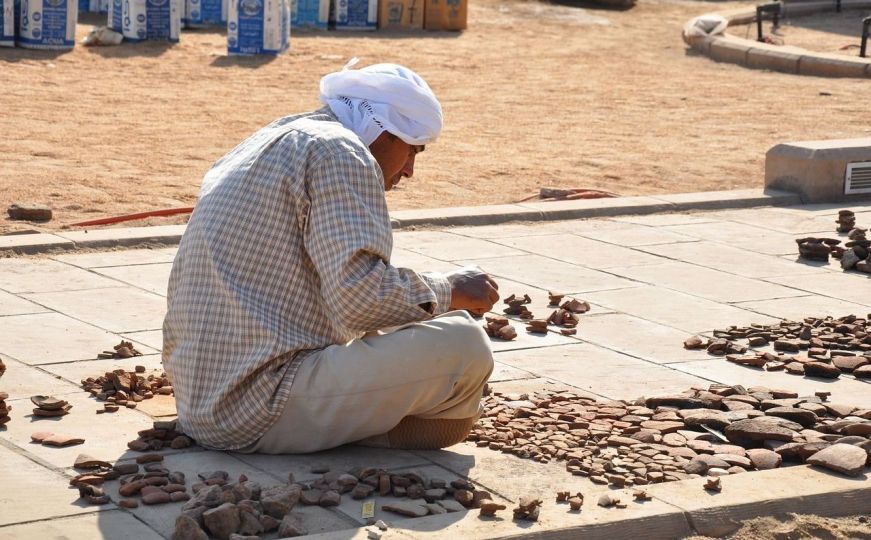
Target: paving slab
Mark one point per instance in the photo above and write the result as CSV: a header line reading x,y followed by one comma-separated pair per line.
x,y
148,338
776,492
540,304
125,236
550,274
631,235
678,310
150,277
747,236
162,517
580,251
848,286
844,390
403,258
529,228
704,282
125,257
504,372
47,338
11,304
832,264
74,372
106,435
105,524
450,247
797,308
666,219
523,386
39,493
18,275
22,381
121,309
601,371
637,337
33,243
784,222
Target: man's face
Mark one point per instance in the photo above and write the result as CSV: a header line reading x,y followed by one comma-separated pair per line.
x,y
396,158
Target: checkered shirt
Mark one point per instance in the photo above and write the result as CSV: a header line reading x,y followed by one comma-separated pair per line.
x,y
287,252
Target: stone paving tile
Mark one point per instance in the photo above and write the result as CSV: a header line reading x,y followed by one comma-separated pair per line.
x,y
74,372
503,372
730,259
121,310
798,308
600,371
124,257
832,265
20,275
402,258
637,337
675,309
162,517
540,305
107,524
31,492
151,277
508,475
343,458
106,435
790,223
149,338
52,337
22,381
844,390
665,220
528,340
450,247
625,234
704,282
524,386
822,209
11,304
531,228
549,274
580,251
849,286
747,236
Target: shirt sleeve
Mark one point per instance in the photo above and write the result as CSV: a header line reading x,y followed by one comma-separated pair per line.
x,y
349,239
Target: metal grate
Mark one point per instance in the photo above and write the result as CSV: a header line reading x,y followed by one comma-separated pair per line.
x,y
858,178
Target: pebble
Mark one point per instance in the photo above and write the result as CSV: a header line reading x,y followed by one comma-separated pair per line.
x,y
28,211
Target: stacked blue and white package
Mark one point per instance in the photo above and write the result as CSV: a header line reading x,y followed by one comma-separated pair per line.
x,y
354,14
309,13
7,23
47,24
93,6
258,27
206,12
147,20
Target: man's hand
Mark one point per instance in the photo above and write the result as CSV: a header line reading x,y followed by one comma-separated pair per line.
x,y
472,290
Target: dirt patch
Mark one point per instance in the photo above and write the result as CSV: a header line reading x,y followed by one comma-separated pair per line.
x,y
534,95
801,527
839,33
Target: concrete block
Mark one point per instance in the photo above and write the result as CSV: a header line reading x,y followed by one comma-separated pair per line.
x,y
729,49
775,60
832,65
815,169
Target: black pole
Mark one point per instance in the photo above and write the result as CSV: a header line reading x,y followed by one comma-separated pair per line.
x,y
774,9
838,6
866,26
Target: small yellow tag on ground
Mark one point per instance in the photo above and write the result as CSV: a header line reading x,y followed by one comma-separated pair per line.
x,y
368,509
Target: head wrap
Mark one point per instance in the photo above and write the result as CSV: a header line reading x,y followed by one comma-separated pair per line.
x,y
383,97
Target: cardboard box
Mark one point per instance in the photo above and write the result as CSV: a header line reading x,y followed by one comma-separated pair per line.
x,y
445,14
401,14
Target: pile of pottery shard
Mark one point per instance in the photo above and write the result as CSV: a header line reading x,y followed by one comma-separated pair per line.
x,y
719,431
122,388
162,435
816,347
853,255
4,408
50,406
565,316
125,349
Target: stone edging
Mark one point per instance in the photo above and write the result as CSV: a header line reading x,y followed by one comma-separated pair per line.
x,y
472,215
786,59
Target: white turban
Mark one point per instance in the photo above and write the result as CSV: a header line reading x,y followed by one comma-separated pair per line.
x,y
383,97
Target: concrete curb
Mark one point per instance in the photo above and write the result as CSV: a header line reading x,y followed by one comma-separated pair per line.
x,y
440,217
748,53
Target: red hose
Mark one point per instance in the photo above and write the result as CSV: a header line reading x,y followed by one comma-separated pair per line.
x,y
133,217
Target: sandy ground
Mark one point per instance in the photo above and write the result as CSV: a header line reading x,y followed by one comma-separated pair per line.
x,y
534,95
839,33
801,527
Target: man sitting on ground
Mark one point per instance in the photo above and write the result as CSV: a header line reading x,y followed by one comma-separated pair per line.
x,y
288,330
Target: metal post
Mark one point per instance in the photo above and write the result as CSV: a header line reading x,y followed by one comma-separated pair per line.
x,y
774,9
866,26
838,6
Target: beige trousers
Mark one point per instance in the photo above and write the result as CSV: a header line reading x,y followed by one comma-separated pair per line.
x,y
346,393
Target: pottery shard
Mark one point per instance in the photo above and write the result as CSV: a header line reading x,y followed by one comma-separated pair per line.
x,y
330,498
40,436
278,500
850,363
464,497
764,459
85,461
489,508
62,440
822,370
663,426
694,342
451,505
707,417
27,211
761,429
801,416
528,509
862,372
149,458
406,508
291,526
222,521
186,528
126,468
157,497
842,458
